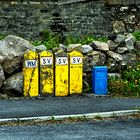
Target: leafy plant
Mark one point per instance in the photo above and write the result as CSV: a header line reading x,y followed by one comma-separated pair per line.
x,y
71,40
36,42
116,86
83,39
132,73
137,35
129,85
51,40
2,36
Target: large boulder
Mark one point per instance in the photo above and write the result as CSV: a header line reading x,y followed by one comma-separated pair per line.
x,y
121,50
101,46
131,36
86,49
40,48
13,86
12,49
60,48
120,38
56,49
11,66
102,59
80,48
114,55
112,45
2,77
93,59
130,41
73,47
129,44
90,60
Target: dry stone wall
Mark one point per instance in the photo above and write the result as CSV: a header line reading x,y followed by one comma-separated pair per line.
x,y
117,54
29,19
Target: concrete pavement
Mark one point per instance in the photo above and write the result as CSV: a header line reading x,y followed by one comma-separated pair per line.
x,y
121,129
53,106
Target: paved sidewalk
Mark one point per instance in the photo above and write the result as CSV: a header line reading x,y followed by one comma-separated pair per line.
x,y
64,106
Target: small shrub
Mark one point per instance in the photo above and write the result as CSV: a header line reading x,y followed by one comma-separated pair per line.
x,y
116,86
132,73
49,39
36,42
137,35
133,88
71,40
132,76
83,39
129,85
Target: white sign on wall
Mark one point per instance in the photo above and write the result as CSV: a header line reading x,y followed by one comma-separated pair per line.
x,y
61,60
76,60
46,61
31,63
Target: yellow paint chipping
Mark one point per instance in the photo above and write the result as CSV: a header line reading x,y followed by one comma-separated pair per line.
x,y
46,73
30,72
61,74
75,71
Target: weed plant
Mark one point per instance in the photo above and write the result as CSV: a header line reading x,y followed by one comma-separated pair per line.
x,y
137,35
128,85
52,40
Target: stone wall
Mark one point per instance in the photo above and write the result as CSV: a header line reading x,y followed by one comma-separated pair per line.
x,y
29,19
87,18
23,19
117,54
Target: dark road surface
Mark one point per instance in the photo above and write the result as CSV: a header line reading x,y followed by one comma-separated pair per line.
x,y
99,130
63,106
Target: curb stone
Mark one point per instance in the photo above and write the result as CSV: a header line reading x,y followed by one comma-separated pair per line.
x,y
63,117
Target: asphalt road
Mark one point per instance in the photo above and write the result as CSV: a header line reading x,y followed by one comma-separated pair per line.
x,y
99,130
63,106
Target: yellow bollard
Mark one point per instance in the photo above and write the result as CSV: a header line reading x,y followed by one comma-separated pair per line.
x,y
30,72
46,73
76,72
61,74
